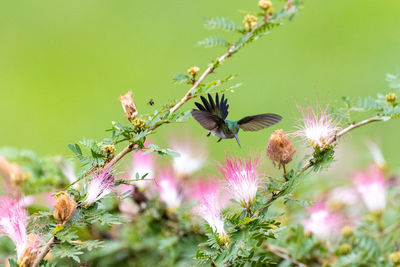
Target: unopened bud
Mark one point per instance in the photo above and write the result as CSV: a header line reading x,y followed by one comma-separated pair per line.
x,y
391,98
271,11
249,22
109,149
224,239
345,248
264,4
11,172
128,106
64,208
193,70
139,124
280,149
31,251
395,257
347,231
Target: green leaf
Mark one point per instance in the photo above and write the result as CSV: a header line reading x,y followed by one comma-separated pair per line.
x,y
222,23
213,41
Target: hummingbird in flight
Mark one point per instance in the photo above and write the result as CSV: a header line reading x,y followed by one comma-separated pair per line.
x,y
212,116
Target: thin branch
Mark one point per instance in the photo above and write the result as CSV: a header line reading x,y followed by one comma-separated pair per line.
x,y
351,127
43,252
283,253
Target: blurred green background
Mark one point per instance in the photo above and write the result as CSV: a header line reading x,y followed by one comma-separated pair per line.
x,y
63,65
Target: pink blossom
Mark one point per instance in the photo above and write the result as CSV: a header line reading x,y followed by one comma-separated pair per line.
x,y
322,221
191,159
242,179
209,208
168,189
317,128
372,188
13,223
343,195
100,185
142,164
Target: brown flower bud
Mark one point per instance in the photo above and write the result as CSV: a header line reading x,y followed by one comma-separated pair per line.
x,y
64,208
264,4
32,249
249,22
139,124
11,171
193,70
280,148
109,149
128,105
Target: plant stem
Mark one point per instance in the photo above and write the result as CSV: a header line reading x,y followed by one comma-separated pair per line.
x,y
43,252
283,253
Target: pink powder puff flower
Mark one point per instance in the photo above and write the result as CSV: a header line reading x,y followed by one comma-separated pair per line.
x,y
322,221
372,188
169,190
100,185
191,158
242,179
317,128
13,223
142,164
210,210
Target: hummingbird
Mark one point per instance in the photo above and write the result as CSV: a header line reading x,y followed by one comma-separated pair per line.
x,y
212,116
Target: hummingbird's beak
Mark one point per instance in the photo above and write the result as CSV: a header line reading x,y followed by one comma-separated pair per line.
x,y
237,139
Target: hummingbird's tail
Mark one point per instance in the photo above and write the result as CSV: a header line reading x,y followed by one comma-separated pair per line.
x,y
237,139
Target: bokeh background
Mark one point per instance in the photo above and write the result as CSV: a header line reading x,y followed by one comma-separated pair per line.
x,y
63,65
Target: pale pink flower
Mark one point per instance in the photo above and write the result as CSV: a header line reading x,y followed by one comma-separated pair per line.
x,y
343,195
100,185
13,223
322,221
209,208
372,188
242,179
317,127
142,164
168,189
191,159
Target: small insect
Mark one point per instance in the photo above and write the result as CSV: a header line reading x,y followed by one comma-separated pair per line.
x,y
151,102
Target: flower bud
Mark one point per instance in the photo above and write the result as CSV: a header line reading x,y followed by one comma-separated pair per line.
x,y
249,22
271,11
391,98
347,231
264,4
345,248
280,148
224,239
193,70
139,124
31,251
109,149
64,208
128,106
11,171
395,257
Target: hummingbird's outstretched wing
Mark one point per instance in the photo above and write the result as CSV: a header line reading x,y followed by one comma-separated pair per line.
x,y
206,119
258,122
218,108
